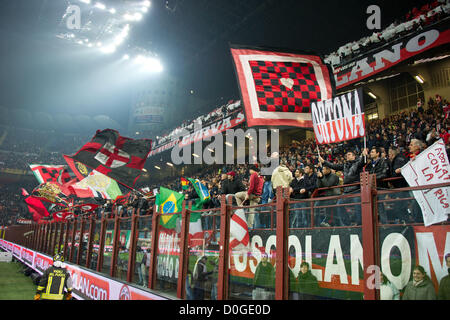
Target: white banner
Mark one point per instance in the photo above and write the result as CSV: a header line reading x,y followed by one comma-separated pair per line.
x,y
430,167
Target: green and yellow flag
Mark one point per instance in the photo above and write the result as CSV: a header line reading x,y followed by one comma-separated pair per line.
x,y
169,201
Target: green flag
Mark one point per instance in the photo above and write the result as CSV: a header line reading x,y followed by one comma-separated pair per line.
x,y
169,201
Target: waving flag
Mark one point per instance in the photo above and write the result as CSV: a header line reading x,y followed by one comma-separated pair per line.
x,y
79,169
96,185
201,189
169,201
117,157
277,88
184,183
50,192
36,208
50,173
239,237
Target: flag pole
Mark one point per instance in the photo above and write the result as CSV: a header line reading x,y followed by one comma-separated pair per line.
x,y
365,146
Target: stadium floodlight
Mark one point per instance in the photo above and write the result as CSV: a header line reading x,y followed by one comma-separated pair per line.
x,y
100,6
112,11
152,65
419,79
108,49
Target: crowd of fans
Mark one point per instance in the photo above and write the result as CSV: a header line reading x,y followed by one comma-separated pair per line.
x,y
390,143
20,147
415,19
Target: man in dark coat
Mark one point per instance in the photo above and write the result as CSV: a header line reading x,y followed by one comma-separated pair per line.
x,y
297,218
352,169
326,179
396,161
380,168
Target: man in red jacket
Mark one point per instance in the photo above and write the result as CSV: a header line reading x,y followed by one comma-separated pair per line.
x,y
253,194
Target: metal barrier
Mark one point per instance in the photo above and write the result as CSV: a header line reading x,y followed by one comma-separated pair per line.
x,y
341,237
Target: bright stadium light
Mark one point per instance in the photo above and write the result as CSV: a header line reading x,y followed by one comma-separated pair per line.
x,y
112,11
108,49
152,65
419,79
372,95
100,6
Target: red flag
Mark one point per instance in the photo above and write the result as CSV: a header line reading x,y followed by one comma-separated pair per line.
x,y
36,207
117,157
278,88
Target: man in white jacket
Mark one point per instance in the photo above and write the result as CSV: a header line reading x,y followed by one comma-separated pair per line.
x,y
281,176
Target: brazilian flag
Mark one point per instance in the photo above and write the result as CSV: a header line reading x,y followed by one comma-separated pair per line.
x,y
169,201
203,193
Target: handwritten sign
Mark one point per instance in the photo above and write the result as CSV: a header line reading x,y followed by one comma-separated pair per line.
x,y
430,167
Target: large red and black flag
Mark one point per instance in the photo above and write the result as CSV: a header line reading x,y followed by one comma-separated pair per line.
x,y
50,173
117,157
79,169
278,87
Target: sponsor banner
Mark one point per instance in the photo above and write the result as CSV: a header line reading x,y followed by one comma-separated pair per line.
x,y
390,55
24,221
431,166
28,257
339,119
87,285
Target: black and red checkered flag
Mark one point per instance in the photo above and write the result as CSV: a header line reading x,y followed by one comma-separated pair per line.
x,y
278,88
117,157
50,173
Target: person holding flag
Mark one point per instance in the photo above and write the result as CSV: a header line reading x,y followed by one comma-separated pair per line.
x,y
352,169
